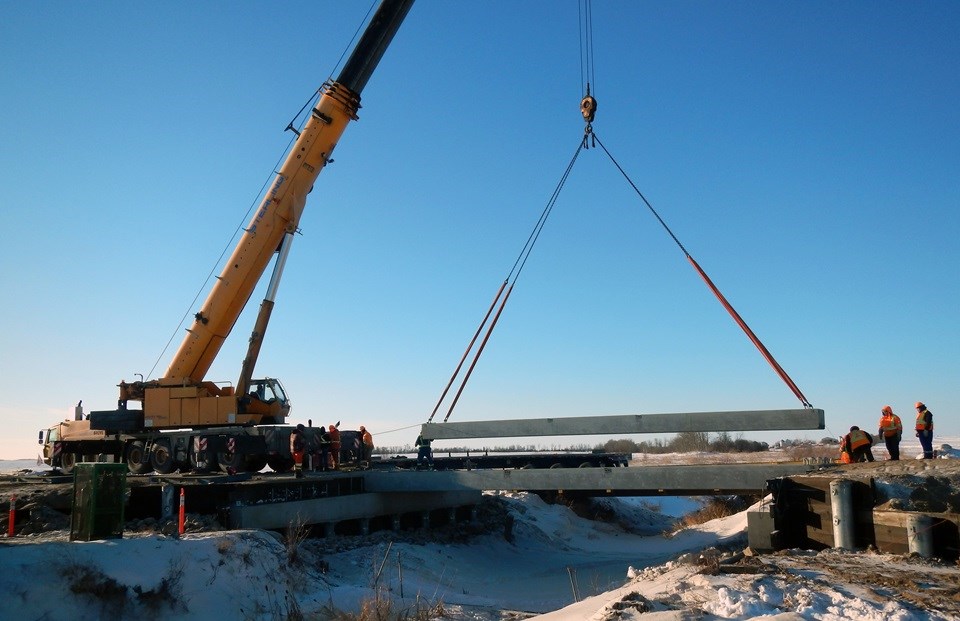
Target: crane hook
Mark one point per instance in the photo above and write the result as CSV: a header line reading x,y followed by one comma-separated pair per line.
x,y
588,108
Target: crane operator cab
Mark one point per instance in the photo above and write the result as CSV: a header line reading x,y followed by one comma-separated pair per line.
x,y
267,398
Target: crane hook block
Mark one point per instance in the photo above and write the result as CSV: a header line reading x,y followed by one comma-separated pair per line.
x,y
588,108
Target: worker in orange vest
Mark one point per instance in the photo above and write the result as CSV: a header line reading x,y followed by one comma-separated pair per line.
x,y
891,430
857,444
925,429
366,445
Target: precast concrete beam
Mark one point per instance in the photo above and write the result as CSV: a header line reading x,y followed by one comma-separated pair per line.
x,y
748,420
641,481
351,507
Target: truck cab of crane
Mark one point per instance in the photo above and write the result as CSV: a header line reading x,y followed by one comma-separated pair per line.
x,y
87,444
47,437
265,398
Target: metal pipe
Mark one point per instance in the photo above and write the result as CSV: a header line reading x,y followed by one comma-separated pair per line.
x,y
920,535
841,505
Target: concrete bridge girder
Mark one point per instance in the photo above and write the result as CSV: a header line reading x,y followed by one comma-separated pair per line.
x,y
746,420
639,481
350,507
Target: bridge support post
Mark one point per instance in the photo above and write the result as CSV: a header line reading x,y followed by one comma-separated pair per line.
x,y
425,519
841,505
168,494
474,512
364,526
329,529
920,535
396,522
453,515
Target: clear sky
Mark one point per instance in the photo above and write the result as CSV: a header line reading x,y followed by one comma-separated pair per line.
x,y
806,154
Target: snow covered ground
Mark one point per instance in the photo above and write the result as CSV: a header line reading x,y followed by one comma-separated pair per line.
x,y
552,566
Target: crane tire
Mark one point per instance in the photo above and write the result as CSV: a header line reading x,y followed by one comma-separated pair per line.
x,y
161,458
68,462
137,457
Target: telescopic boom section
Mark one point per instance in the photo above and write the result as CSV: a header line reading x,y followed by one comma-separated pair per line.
x,y
280,211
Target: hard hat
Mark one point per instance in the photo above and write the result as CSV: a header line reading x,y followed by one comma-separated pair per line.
x,y
854,428
887,409
300,426
920,404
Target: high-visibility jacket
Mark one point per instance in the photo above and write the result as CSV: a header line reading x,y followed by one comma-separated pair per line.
x,y
924,420
890,425
858,439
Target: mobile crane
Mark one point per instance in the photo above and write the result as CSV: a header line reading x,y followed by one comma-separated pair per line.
x,y
185,420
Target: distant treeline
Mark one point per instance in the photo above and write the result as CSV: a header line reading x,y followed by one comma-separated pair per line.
x,y
685,442
688,442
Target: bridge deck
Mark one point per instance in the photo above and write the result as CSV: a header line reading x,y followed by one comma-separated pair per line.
x,y
395,492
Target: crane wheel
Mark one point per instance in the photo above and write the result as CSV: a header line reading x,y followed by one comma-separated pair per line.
x,y
161,459
231,462
68,462
280,464
137,457
255,463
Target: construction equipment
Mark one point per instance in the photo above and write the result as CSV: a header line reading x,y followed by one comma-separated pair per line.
x,y
183,418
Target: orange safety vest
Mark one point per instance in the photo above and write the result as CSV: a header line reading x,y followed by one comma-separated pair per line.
x,y
858,439
924,420
890,425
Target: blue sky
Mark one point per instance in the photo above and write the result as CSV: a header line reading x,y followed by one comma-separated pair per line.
x,y
804,153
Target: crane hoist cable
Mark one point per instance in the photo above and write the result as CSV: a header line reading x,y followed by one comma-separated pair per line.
x,y
503,294
723,300
588,108
588,104
226,248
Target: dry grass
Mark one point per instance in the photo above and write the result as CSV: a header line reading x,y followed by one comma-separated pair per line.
x,y
791,454
114,598
812,451
717,507
297,532
380,607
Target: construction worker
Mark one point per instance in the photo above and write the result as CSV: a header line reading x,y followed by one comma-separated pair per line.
x,y
891,430
857,444
298,446
845,456
321,458
424,452
925,429
334,434
366,447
